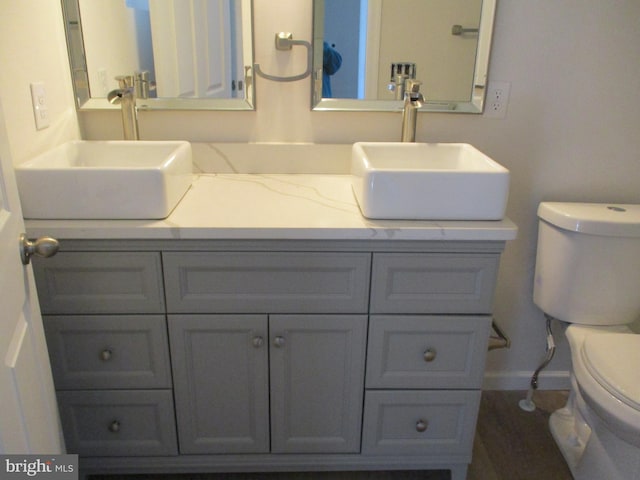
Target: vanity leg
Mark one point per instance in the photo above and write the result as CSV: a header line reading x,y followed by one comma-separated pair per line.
x,y
459,472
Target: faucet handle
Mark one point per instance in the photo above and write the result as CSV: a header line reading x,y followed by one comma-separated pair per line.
x,y
125,81
413,85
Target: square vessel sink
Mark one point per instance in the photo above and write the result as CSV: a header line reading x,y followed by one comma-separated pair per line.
x,y
106,180
427,181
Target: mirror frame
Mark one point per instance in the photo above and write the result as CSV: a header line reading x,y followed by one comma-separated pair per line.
x,y
80,77
474,105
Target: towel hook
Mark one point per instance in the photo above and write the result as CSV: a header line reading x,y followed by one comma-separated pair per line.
x,y
285,41
460,30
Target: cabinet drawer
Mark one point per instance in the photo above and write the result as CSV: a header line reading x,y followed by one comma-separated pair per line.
x,y
118,422
100,282
420,422
427,351
108,351
433,283
257,282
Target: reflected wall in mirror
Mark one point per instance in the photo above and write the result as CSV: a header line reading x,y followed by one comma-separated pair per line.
x,y
443,43
190,54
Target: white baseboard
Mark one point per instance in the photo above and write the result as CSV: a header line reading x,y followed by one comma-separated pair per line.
x,y
521,380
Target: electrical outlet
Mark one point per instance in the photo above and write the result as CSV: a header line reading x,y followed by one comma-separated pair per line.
x,y
497,99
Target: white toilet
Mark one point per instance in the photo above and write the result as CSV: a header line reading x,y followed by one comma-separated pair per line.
x,y
588,275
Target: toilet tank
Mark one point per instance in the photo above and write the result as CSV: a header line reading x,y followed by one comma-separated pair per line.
x,y
588,262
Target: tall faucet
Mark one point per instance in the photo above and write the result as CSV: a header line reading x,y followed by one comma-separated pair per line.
x,y
125,96
413,100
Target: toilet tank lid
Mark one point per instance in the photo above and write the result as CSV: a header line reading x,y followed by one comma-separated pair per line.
x,y
609,219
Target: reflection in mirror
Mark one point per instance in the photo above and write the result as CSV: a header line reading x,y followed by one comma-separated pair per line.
x,y
383,43
185,54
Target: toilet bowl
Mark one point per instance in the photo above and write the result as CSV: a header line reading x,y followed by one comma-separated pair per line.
x,y
609,379
588,275
598,431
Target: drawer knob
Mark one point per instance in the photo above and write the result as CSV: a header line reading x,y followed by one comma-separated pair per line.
x,y
106,354
257,341
429,355
279,342
114,426
421,425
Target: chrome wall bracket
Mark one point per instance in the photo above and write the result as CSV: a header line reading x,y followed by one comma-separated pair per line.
x,y
460,30
285,41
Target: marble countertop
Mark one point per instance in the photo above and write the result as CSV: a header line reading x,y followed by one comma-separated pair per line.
x,y
271,206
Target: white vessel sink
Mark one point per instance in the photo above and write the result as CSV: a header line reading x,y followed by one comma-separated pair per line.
x,y
106,180
427,181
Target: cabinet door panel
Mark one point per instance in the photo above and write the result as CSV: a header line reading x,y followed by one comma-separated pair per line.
x,y
420,422
107,423
108,351
220,371
433,283
273,282
427,351
317,369
100,282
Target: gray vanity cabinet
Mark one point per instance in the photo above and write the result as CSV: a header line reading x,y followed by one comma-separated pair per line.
x,y
232,356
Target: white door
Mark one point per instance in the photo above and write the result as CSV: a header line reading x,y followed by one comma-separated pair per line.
x,y
191,48
29,416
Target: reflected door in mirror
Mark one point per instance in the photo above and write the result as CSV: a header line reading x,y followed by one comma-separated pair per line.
x,y
192,47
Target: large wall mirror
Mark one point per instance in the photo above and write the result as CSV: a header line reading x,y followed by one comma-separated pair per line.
x,y
444,44
186,54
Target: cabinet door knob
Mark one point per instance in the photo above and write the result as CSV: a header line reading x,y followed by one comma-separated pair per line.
x,y
258,341
114,426
421,425
279,342
106,354
429,355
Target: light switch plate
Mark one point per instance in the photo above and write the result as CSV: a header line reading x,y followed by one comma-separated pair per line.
x,y
39,102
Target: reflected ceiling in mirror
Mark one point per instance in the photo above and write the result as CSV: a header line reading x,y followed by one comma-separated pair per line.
x,y
444,44
193,54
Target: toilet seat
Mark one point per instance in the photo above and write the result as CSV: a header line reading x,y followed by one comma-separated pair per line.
x,y
612,359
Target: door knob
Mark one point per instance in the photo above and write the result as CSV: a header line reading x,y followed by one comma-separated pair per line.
x,y
43,247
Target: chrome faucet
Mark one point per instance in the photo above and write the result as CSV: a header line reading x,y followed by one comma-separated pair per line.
x,y
413,100
125,96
